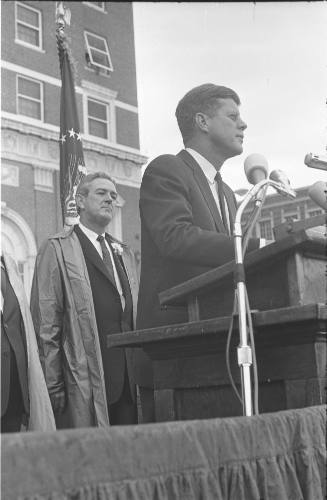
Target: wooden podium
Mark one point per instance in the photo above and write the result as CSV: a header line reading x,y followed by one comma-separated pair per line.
x,y
286,282
289,272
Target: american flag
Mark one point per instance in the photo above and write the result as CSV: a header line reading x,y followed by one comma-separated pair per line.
x,y
72,166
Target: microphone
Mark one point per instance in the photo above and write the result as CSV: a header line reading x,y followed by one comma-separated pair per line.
x,y
316,161
285,186
256,168
318,194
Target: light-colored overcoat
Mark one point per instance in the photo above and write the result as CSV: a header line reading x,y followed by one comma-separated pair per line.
x,y
40,411
65,324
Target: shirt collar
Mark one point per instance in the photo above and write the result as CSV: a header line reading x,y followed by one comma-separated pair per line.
x,y
207,168
90,234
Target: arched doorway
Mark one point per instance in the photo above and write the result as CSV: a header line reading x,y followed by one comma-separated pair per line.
x,y
18,241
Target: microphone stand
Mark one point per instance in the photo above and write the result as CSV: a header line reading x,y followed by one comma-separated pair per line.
x,y
244,351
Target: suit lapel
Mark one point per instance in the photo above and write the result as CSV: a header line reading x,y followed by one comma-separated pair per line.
x,y
91,254
124,281
120,267
204,187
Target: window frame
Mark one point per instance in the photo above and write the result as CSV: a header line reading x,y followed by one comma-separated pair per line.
x,y
108,116
89,51
41,119
311,210
104,95
39,29
263,220
96,7
291,213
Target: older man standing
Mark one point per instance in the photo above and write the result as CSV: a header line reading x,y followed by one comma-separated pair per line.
x,y
84,288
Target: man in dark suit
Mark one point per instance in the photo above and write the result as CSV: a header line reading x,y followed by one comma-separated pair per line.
x,y
85,288
186,210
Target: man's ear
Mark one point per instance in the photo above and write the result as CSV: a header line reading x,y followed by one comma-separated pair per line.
x,y
201,121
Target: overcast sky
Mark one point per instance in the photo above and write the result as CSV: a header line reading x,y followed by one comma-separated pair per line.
x,y
272,54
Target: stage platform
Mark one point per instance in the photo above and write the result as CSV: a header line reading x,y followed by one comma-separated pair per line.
x,y
275,456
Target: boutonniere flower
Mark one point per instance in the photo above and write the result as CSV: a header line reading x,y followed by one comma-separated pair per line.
x,y
117,248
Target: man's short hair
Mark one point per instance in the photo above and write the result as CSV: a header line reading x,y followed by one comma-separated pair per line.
x,y
200,99
84,186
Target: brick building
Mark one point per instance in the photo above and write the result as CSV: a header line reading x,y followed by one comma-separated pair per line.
x,y
277,210
102,44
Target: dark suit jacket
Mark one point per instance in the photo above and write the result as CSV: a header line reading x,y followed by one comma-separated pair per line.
x,y
182,234
110,317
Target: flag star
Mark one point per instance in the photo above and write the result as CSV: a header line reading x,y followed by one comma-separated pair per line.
x,y
71,132
78,136
62,139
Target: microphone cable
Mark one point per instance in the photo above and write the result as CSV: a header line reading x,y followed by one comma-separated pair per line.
x,y
254,356
227,351
252,345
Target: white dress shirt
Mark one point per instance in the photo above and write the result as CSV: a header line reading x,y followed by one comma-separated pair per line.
x,y
210,172
92,236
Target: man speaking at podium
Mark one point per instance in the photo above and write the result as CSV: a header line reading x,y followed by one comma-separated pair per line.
x,y
187,210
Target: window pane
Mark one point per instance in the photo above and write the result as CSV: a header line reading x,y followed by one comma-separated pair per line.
x,y
98,128
28,35
265,230
97,110
313,213
290,218
27,15
29,108
97,43
29,88
100,58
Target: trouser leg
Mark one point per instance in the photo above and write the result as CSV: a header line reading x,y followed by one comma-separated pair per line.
x,y
124,411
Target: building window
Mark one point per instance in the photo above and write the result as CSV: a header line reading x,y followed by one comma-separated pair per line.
x,y
98,118
97,52
313,213
9,174
43,179
96,5
266,229
29,98
28,26
290,217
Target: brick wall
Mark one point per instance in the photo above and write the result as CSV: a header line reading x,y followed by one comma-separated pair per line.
x,y
131,218
127,132
38,208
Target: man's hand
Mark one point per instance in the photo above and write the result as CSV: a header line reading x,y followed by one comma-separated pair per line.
x,y
58,401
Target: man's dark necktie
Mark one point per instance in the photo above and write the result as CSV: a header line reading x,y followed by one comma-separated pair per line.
x,y
127,313
106,258
127,317
221,198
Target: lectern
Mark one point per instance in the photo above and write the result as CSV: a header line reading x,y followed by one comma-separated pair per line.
x,y
288,272
286,283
